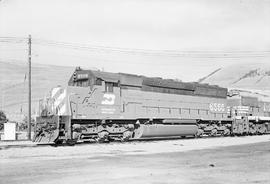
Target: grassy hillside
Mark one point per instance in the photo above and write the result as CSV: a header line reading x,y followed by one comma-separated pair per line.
x,y
248,76
14,87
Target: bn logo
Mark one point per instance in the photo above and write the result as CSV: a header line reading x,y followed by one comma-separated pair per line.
x,y
108,99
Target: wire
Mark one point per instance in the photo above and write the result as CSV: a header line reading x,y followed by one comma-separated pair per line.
x,y
13,40
18,103
10,37
5,49
171,53
144,52
38,41
13,60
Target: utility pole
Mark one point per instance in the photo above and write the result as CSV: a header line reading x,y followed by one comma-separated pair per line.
x,y
29,86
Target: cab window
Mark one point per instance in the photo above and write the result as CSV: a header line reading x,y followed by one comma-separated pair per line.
x,y
109,87
83,83
98,82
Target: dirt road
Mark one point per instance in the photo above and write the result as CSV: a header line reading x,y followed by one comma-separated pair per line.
x,y
248,163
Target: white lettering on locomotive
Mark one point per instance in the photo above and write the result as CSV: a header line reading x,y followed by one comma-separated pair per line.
x,y
108,99
108,111
217,107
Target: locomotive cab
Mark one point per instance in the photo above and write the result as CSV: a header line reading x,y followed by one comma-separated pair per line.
x,y
95,95
90,78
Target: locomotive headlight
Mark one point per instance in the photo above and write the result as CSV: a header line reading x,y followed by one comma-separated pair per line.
x,y
74,76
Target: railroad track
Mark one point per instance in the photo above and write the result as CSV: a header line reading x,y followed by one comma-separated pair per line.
x,y
139,140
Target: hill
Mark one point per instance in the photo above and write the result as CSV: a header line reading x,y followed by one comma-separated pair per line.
x,y
254,76
14,85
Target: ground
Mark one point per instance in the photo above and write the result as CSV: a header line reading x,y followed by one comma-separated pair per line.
x,y
174,161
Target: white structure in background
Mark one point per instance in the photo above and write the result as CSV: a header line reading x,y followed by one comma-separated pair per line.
x,y
9,131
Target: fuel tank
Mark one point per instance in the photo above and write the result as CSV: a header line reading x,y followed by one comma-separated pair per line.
x,y
170,128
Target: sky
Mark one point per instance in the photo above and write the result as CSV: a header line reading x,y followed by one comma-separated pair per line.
x,y
155,37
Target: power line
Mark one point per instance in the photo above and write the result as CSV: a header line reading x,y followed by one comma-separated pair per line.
x,y
13,60
84,46
172,53
56,43
144,52
12,41
11,37
19,103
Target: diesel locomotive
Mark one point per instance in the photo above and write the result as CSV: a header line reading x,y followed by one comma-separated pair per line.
x,y
104,106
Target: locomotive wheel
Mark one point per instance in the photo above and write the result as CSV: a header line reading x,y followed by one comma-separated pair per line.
x,y
261,130
252,130
59,141
70,142
213,132
226,132
199,133
110,139
126,136
103,136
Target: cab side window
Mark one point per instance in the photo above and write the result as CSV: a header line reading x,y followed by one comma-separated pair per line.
x,y
98,82
109,87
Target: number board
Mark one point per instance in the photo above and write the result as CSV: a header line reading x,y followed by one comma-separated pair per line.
x,y
82,76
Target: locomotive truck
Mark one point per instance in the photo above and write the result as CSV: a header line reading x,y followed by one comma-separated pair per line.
x,y
104,106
